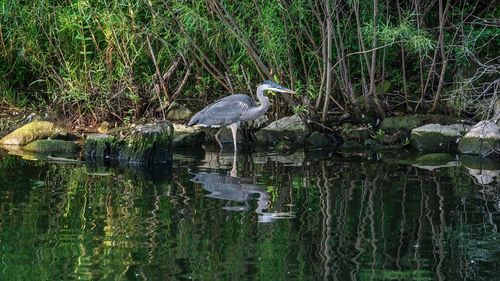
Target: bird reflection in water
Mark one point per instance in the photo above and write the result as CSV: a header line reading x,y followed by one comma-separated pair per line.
x,y
241,190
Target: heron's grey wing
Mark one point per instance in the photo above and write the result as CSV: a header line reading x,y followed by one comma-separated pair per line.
x,y
223,112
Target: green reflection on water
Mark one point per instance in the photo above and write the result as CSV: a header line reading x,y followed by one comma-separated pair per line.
x,y
284,218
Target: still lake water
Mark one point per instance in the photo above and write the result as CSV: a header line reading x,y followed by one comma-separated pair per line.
x,y
304,216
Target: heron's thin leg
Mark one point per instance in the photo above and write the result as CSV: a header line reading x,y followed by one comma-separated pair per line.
x,y
234,170
234,129
217,137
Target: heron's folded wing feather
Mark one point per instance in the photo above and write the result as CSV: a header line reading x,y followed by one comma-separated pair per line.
x,y
223,112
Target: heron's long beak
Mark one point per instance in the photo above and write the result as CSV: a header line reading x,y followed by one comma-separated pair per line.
x,y
282,90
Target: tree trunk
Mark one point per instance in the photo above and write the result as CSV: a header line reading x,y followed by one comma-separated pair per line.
x,y
328,60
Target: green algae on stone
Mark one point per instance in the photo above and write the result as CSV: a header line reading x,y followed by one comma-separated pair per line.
x,y
147,144
409,122
435,159
33,131
98,147
52,146
396,123
178,112
143,144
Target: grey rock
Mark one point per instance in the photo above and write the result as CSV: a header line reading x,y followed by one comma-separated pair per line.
x,y
437,138
185,136
178,112
288,128
483,139
409,122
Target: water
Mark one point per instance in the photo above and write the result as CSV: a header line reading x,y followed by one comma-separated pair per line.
x,y
304,216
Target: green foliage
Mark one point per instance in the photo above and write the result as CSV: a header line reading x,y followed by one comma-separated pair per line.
x,y
300,108
91,57
415,40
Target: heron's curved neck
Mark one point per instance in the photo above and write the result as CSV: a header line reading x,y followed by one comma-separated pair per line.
x,y
264,101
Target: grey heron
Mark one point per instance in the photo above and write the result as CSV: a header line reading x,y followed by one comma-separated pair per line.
x,y
232,110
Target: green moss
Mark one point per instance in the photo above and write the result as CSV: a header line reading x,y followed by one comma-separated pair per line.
x,y
148,144
409,122
98,147
52,146
33,131
396,123
435,159
142,144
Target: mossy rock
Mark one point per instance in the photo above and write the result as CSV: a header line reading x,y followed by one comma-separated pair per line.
x,y
143,144
178,112
33,131
148,144
406,122
410,122
435,159
401,157
436,137
52,146
99,147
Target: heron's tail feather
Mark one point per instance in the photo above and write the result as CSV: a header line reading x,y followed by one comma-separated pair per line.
x,y
194,120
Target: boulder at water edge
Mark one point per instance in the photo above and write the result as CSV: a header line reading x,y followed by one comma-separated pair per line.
x,y
289,128
436,137
178,112
52,146
185,136
143,144
33,131
394,124
483,139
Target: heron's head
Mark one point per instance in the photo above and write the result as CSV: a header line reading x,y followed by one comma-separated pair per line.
x,y
271,86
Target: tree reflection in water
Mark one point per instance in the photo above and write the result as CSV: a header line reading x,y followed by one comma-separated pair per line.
x,y
198,218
